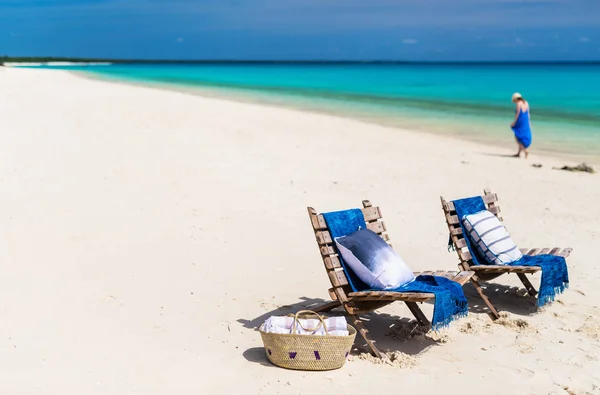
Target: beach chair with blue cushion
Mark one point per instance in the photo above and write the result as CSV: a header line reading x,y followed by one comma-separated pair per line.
x,y
550,261
449,300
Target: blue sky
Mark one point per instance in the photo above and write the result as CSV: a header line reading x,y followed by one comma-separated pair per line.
x,y
303,29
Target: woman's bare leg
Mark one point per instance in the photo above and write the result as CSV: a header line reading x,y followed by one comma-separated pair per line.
x,y
518,154
523,149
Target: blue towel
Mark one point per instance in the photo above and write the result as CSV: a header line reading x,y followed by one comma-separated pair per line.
x,y
555,276
450,300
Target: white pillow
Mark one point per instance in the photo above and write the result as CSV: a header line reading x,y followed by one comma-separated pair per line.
x,y
373,260
490,237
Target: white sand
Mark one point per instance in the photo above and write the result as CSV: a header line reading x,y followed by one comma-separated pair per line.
x,y
145,233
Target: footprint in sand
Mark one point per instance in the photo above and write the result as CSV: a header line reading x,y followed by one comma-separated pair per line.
x,y
476,326
524,344
395,358
521,371
516,324
405,332
591,330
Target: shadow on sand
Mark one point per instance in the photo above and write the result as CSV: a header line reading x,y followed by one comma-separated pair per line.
x,y
511,299
397,333
499,155
383,327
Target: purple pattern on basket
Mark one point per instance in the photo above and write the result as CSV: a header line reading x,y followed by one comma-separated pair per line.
x,y
293,355
269,351
317,356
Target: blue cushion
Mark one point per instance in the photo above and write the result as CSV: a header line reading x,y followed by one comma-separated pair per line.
x,y
373,260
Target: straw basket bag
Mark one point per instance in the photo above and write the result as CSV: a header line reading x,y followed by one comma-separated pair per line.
x,y
308,352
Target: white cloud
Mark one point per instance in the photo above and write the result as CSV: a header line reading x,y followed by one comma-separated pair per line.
x,y
179,39
519,42
409,41
584,39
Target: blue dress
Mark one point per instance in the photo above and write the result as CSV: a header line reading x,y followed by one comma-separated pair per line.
x,y
522,129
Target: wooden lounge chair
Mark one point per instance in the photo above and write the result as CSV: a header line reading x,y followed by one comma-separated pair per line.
x,y
356,303
489,272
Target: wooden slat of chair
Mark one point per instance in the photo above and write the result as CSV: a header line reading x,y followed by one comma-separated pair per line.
x,y
318,222
394,296
371,213
338,278
332,262
452,219
456,231
332,294
463,277
464,255
491,201
327,250
323,237
442,273
505,269
565,252
461,243
377,227
554,251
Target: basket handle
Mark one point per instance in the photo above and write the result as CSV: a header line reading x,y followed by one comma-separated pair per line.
x,y
308,312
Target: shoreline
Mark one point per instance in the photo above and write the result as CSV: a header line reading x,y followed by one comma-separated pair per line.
x,y
249,96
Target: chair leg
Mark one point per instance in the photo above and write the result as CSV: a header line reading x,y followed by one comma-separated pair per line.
x,y
418,313
493,311
360,327
530,289
325,307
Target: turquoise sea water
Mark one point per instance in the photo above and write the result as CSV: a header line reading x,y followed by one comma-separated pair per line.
x,y
470,101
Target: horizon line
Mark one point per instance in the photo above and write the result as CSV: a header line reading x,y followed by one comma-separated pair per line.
x,y
18,59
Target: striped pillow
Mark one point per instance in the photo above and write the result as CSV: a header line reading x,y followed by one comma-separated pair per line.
x,y
491,239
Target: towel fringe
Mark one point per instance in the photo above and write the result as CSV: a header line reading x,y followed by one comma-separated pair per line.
x,y
543,300
446,323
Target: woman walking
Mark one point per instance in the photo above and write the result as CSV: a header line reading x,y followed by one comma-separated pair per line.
x,y
520,125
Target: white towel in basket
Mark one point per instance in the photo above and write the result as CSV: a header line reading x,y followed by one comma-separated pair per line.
x,y
336,326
